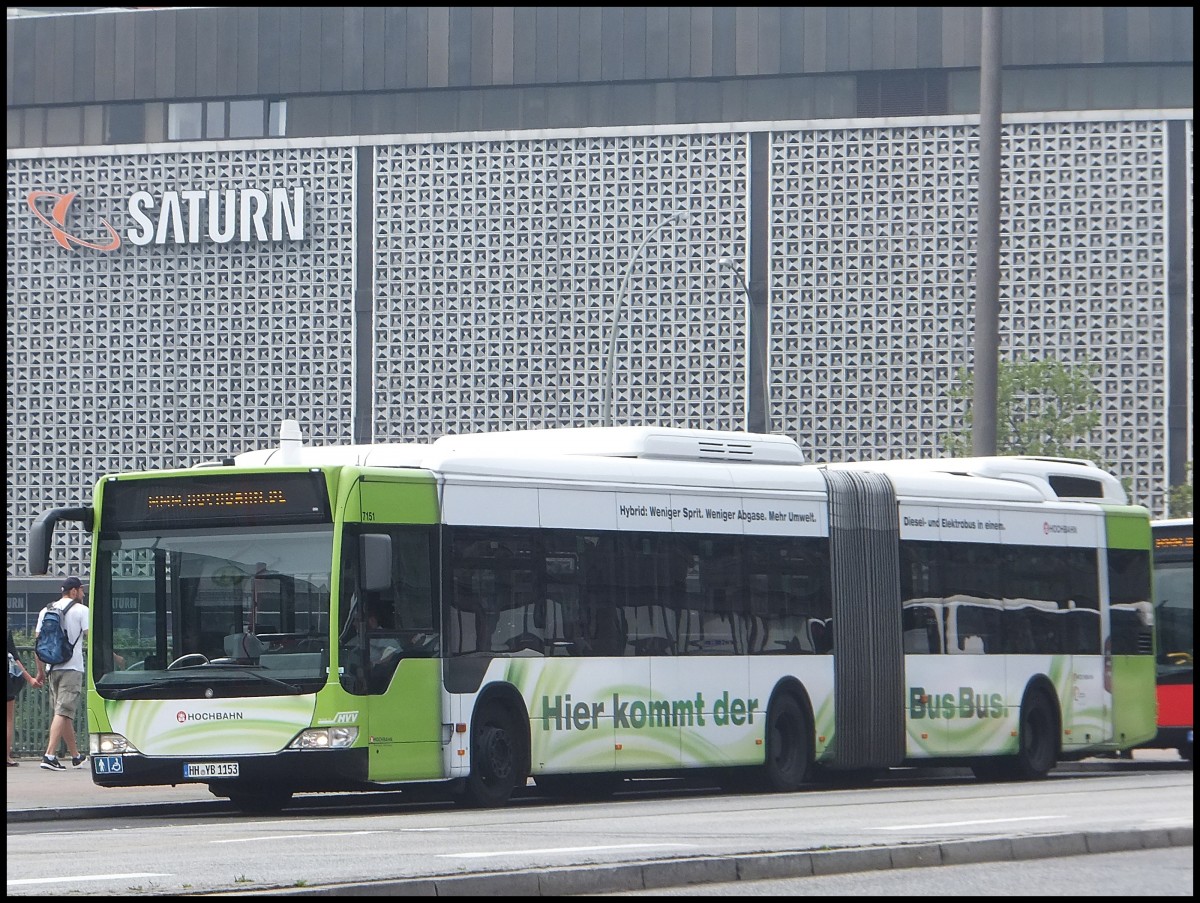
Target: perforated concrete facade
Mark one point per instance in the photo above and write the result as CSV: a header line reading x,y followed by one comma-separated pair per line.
x,y
500,263
873,234
167,355
496,260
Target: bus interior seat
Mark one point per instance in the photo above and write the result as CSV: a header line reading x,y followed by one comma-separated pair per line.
x,y
648,630
788,634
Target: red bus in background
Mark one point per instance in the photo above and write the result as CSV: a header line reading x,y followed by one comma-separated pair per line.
x,y
1173,620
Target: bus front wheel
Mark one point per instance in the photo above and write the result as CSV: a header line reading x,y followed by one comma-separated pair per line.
x,y
496,759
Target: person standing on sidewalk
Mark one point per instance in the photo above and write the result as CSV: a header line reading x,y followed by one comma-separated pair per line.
x,y
65,680
15,686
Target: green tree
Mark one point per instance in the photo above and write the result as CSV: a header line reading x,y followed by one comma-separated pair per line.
x,y
1042,408
1179,498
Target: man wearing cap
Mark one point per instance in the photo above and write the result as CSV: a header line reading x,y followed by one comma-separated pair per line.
x,y
66,680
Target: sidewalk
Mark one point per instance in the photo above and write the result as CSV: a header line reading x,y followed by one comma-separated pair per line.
x,y
36,793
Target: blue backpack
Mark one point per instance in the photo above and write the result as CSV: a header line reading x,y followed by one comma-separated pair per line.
x,y
52,645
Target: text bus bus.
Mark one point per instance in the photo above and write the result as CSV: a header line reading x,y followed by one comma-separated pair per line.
x,y
1173,625
586,605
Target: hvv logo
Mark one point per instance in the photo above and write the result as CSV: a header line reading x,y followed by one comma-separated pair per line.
x,y
186,217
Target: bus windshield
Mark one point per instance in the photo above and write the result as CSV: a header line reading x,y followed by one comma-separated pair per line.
x,y
212,612
1173,613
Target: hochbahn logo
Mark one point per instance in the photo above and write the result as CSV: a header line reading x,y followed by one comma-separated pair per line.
x,y
1049,528
185,217
184,717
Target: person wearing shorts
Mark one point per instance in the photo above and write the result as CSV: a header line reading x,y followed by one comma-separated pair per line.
x,y
66,680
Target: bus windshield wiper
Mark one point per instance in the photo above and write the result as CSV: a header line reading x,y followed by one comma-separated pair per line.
x,y
123,692
250,669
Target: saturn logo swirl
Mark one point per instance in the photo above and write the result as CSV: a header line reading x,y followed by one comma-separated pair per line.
x,y
57,221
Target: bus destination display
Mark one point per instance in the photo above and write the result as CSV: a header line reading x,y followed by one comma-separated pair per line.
x,y
190,501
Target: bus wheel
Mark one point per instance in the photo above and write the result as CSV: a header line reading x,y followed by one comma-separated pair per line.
x,y
261,801
495,759
1037,738
789,746
1037,744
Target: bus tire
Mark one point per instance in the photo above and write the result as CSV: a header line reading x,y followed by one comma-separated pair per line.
x,y
1037,737
789,752
1037,744
496,759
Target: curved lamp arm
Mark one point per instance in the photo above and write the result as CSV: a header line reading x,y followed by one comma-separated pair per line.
x,y
607,401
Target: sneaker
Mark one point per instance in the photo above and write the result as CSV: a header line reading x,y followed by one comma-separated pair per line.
x,y
79,760
51,763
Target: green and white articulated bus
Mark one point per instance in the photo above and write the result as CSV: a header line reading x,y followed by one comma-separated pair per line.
x,y
585,606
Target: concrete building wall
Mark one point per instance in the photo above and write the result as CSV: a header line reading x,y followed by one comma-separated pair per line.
x,y
485,188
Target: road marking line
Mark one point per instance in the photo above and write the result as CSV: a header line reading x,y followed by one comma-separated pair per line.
x,y
114,877
623,846
295,836
957,824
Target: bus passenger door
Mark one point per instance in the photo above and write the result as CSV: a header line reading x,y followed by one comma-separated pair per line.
x,y
404,724
390,630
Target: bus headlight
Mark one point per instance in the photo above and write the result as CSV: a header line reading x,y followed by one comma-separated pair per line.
x,y
325,738
109,744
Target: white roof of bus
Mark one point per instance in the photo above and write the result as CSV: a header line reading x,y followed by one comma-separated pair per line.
x,y
653,455
1031,470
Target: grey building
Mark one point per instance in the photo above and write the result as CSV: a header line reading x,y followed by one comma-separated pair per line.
x,y
395,223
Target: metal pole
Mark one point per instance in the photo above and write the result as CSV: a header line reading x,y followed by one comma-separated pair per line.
x,y
987,270
727,263
609,362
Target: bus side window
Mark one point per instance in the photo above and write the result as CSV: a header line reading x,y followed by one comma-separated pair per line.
x,y
921,624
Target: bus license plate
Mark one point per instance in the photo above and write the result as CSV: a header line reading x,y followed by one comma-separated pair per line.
x,y
202,771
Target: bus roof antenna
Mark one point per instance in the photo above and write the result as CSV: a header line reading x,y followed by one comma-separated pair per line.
x,y
290,441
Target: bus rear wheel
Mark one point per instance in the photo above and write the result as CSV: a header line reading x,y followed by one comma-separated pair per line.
x,y
1037,744
496,759
789,746
1037,738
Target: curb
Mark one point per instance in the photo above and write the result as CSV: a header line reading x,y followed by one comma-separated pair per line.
x,y
748,867
55,813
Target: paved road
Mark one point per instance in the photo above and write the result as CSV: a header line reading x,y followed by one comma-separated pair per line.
x,y
36,795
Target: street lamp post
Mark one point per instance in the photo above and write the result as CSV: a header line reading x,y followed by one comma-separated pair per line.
x,y
609,361
728,263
